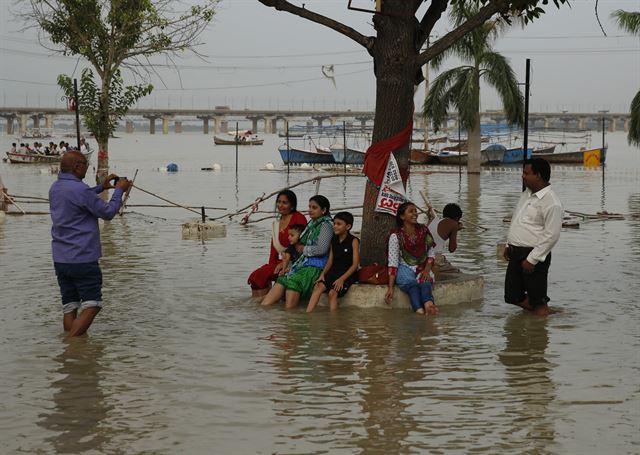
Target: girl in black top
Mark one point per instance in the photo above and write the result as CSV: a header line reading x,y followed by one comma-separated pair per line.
x,y
344,259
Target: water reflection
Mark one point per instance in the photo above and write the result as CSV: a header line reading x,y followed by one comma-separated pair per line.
x,y
79,399
528,377
355,378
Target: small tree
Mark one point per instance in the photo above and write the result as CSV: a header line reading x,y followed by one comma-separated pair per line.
x,y
110,35
460,87
629,21
398,56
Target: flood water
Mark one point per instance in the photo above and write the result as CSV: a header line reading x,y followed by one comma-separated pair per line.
x,y
182,361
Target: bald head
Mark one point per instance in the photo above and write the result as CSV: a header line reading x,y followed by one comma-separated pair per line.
x,y
75,163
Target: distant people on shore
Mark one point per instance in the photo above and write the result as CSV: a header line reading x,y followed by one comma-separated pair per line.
x,y
314,246
339,273
534,230
261,279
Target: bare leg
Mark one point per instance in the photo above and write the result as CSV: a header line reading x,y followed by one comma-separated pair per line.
x,y
259,293
525,304
274,295
68,318
315,297
292,298
82,323
333,300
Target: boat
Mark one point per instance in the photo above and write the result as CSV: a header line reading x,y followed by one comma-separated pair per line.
x,y
36,158
38,133
353,156
516,155
240,140
494,154
421,156
294,155
540,150
296,134
451,158
586,157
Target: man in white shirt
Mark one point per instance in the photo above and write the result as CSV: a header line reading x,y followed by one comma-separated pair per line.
x,y
534,230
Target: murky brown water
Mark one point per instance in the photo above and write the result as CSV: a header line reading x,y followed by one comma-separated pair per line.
x,y
180,361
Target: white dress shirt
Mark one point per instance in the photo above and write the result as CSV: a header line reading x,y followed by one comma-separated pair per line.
x,y
536,223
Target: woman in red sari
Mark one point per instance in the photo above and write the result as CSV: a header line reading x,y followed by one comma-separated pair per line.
x,y
286,204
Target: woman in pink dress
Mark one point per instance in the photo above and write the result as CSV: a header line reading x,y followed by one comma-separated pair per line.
x,y
260,279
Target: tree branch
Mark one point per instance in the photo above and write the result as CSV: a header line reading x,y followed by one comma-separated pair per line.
x,y
283,5
431,16
493,7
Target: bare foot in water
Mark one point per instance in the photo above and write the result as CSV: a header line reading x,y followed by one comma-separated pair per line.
x,y
431,308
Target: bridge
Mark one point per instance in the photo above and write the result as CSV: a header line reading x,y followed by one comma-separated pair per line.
x,y
221,116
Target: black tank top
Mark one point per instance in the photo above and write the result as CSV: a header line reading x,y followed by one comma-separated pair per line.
x,y
342,253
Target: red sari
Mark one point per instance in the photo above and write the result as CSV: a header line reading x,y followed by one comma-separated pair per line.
x,y
262,277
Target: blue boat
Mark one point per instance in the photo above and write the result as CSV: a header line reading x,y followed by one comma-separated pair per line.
x,y
293,155
515,155
353,156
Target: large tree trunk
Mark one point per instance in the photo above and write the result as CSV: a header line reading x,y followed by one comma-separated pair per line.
x,y
474,137
395,69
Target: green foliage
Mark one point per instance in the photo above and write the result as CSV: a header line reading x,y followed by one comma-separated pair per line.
x,y
101,110
460,87
112,34
629,21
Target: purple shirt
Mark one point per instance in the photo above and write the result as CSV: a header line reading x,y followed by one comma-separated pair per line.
x,y
75,209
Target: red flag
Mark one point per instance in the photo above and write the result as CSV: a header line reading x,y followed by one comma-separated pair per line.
x,y
377,155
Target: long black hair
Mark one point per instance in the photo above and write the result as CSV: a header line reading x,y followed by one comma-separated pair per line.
x,y
401,209
322,201
291,197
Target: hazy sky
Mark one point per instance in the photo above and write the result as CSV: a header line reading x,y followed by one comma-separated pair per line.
x,y
259,57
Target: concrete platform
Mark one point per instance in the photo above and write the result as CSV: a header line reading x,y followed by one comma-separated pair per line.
x,y
452,289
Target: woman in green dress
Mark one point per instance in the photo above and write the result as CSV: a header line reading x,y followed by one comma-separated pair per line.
x,y
314,246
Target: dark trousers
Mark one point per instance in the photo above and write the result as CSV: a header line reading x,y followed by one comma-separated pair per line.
x,y
518,283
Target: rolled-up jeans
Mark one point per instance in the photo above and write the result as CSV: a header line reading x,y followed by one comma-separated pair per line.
x,y
419,293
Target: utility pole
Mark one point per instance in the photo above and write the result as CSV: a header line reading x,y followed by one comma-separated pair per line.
x,y
525,146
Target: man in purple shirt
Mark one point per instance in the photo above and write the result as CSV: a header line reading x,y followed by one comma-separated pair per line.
x,y
75,209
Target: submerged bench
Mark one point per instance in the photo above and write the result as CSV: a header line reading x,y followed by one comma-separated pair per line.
x,y
450,289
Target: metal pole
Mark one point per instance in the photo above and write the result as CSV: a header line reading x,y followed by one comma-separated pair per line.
x,y
460,148
344,139
603,125
204,218
237,136
526,117
77,101
286,128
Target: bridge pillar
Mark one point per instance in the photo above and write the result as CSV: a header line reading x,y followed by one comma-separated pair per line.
x,y
36,121
309,125
129,126
627,122
269,124
547,123
205,122
612,125
152,122
582,123
10,118
165,123
23,124
222,125
254,122
320,119
333,121
48,121
177,126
